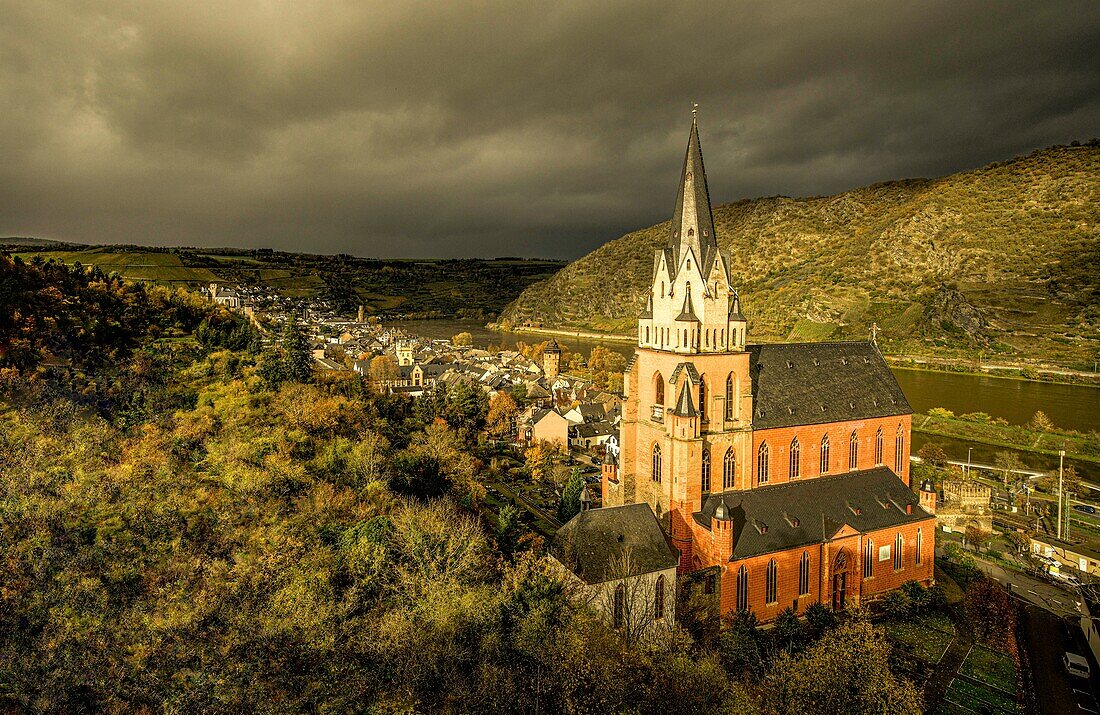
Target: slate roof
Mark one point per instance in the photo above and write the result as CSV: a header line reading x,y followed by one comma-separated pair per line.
x,y
592,411
693,177
735,307
689,367
594,429
685,407
784,516
688,313
814,383
594,543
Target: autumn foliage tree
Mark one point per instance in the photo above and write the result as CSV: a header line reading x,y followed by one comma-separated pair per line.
x,y
846,673
539,460
501,419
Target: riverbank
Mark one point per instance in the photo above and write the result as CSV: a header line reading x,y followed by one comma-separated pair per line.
x,y
1036,373
580,334
979,427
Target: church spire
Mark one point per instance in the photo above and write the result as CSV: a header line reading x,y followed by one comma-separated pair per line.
x,y
692,221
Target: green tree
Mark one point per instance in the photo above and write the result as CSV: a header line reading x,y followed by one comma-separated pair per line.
x,y
933,455
297,360
739,648
570,503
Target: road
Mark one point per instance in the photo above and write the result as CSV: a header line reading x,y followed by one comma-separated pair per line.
x,y
1059,601
1047,638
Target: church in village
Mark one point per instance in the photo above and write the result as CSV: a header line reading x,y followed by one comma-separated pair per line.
x,y
777,474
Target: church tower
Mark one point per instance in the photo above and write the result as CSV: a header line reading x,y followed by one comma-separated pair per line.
x,y
687,427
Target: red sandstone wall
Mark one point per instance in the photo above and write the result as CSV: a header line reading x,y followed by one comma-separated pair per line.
x,y
809,437
885,578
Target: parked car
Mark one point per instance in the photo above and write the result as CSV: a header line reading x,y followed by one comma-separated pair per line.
x,y
1084,508
1085,702
1076,665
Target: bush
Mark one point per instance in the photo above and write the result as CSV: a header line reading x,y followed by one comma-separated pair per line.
x,y
919,596
819,618
941,413
896,604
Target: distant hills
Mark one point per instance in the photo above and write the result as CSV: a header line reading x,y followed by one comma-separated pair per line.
x,y
1002,260
469,288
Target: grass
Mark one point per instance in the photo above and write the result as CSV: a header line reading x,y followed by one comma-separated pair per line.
x,y
152,266
1080,446
990,667
972,697
809,331
927,637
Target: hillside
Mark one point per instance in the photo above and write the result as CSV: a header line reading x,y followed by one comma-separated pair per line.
x,y
429,288
1004,260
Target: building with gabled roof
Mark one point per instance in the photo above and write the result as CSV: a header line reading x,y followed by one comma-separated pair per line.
x,y
780,473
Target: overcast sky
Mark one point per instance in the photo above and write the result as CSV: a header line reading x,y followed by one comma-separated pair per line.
x,y
514,128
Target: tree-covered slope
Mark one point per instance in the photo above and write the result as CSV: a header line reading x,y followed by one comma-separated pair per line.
x,y
1002,259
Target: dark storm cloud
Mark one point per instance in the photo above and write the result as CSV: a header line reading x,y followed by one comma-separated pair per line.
x,y
473,128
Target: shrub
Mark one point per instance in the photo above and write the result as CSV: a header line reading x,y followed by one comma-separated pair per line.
x,y
896,604
941,413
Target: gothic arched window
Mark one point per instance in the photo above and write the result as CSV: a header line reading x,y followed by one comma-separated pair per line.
x,y
742,589
657,463
659,599
899,449
706,470
868,558
920,543
898,543
729,397
796,455
703,399
771,594
853,450
824,454
729,469
762,464
659,390
878,446
804,575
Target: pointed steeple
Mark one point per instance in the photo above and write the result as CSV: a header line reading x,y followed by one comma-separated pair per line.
x,y
692,221
684,406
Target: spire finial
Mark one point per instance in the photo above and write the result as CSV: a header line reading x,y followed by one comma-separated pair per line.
x,y
694,110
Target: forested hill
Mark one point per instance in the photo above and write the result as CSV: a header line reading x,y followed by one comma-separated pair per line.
x,y
1004,259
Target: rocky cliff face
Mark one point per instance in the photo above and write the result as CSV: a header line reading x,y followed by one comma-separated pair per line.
x,y
985,259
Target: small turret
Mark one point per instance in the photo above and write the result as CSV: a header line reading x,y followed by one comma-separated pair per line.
x,y
737,323
928,496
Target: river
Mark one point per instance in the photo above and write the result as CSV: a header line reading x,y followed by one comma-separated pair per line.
x,y
1075,407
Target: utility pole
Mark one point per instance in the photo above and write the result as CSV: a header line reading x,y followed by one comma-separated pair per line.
x,y
1069,498
968,451
1061,456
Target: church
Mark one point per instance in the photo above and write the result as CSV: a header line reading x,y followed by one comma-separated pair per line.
x,y
778,473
